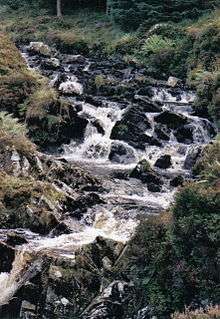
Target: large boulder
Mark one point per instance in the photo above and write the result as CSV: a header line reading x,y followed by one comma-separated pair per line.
x,y
132,128
171,120
51,64
148,104
164,162
112,303
192,157
162,132
122,153
147,175
40,48
184,134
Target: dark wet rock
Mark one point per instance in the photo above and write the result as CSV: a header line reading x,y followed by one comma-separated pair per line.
x,y
171,120
96,123
121,153
60,229
184,134
209,127
73,289
147,175
72,59
67,125
162,132
192,157
14,239
120,175
177,181
154,188
148,104
50,64
146,91
93,100
164,162
7,254
132,129
84,202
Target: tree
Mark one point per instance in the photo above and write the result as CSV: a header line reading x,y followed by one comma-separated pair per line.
x,y
59,8
131,13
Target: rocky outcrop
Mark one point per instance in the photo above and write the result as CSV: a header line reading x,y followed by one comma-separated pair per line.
x,y
66,288
171,120
164,162
121,153
40,48
132,128
147,175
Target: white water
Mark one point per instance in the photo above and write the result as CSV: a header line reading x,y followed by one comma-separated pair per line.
x,y
117,219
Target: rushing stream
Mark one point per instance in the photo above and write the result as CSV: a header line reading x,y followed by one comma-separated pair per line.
x,y
126,200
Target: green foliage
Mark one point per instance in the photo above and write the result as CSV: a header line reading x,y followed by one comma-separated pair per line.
x,y
173,258
130,14
11,125
156,43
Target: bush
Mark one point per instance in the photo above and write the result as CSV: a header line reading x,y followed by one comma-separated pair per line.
x,y
130,14
173,258
69,42
11,125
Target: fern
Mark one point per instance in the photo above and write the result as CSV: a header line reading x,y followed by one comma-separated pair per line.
x,y
156,43
10,125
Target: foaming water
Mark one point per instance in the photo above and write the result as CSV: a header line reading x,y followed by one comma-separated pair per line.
x,y
124,199
96,146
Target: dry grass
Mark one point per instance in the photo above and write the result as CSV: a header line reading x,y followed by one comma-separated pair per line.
x,y
209,313
10,58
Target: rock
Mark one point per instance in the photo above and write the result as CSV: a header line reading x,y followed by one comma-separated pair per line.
x,y
132,128
173,82
51,64
145,313
121,153
171,120
192,157
184,134
14,239
71,87
147,175
111,303
164,162
39,48
7,254
148,104
154,188
162,132
71,59
98,126
177,181
79,206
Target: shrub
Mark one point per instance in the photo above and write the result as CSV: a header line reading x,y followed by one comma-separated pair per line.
x,y
68,42
124,45
11,125
173,258
156,43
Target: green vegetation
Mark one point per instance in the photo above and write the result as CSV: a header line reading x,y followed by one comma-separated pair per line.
x,y
180,266
130,14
